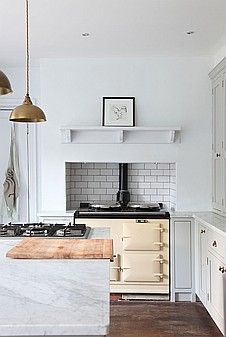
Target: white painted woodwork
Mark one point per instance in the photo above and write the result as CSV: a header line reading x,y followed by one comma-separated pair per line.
x,y
111,135
216,290
182,246
210,280
201,288
218,77
148,237
182,259
216,243
142,267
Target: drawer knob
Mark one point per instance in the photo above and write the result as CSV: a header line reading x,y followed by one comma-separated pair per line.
x,y
214,243
203,231
221,268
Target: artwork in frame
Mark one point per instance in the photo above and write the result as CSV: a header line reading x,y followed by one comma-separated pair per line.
x,y
118,111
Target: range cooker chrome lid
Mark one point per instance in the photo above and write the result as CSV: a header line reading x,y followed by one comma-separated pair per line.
x,y
143,205
105,205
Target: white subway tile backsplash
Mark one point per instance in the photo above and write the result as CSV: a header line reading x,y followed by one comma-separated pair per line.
x,y
99,178
112,178
150,178
94,184
163,166
107,172
137,166
138,178
87,178
100,165
147,182
157,172
108,184
150,166
156,185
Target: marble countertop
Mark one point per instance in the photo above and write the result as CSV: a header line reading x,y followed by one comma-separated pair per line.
x,y
54,297
213,220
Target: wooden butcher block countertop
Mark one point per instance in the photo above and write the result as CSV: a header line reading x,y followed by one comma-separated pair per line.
x,y
38,248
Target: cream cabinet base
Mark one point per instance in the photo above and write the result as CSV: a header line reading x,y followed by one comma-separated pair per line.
x,y
139,288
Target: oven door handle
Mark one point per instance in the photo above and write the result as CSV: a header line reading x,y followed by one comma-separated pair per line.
x,y
161,244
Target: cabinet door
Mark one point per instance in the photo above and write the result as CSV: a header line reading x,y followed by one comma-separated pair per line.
x,y
142,236
142,267
182,255
216,290
224,144
217,143
202,263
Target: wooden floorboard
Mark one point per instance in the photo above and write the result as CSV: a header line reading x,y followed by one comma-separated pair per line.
x,y
161,319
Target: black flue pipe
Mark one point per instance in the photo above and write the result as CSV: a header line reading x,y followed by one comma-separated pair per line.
x,y
123,195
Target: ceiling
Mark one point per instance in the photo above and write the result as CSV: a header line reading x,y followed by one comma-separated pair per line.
x,y
118,28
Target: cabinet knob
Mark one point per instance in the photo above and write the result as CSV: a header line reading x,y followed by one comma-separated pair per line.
x,y
203,231
214,244
218,155
221,268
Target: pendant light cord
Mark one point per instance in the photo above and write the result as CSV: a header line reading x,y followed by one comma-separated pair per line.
x,y
27,49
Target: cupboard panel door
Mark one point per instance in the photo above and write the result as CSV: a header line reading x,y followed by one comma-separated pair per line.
x,y
216,290
224,145
218,128
142,236
202,263
182,254
140,267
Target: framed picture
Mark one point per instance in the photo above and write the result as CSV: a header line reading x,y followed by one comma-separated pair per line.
x,y
118,111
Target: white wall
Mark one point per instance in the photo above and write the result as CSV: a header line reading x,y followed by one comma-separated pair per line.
x,y
168,91
17,79
220,54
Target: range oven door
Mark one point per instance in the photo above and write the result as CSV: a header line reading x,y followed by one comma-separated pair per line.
x,y
142,235
142,267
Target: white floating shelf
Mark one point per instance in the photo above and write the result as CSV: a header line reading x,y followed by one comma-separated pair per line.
x,y
117,135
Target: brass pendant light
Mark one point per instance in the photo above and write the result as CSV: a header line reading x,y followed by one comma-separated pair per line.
x,y
5,86
27,112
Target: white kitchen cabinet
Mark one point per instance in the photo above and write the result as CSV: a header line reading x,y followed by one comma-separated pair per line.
x,y
202,262
216,289
218,77
182,259
210,271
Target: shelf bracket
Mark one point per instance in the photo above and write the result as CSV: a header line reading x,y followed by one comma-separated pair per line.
x,y
66,136
121,136
172,136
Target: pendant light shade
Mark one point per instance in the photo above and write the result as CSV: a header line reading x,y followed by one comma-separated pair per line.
x,y
5,86
27,112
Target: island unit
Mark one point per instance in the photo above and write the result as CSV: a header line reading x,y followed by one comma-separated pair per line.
x,y
54,297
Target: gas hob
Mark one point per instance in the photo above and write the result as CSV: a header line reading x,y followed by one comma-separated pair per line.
x,y
43,230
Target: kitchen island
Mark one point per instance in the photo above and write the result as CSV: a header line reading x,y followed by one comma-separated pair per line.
x,y
53,297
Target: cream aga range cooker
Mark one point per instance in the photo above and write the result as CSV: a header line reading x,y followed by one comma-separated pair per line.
x,y
141,240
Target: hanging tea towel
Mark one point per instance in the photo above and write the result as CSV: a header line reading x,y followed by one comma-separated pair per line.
x,y
11,183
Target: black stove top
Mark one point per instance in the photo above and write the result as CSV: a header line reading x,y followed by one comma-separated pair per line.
x,y
44,230
133,210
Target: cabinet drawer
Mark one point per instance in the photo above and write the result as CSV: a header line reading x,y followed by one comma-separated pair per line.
x,y
216,243
142,267
142,236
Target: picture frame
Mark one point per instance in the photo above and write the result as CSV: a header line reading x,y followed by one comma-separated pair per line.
x,y
118,111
